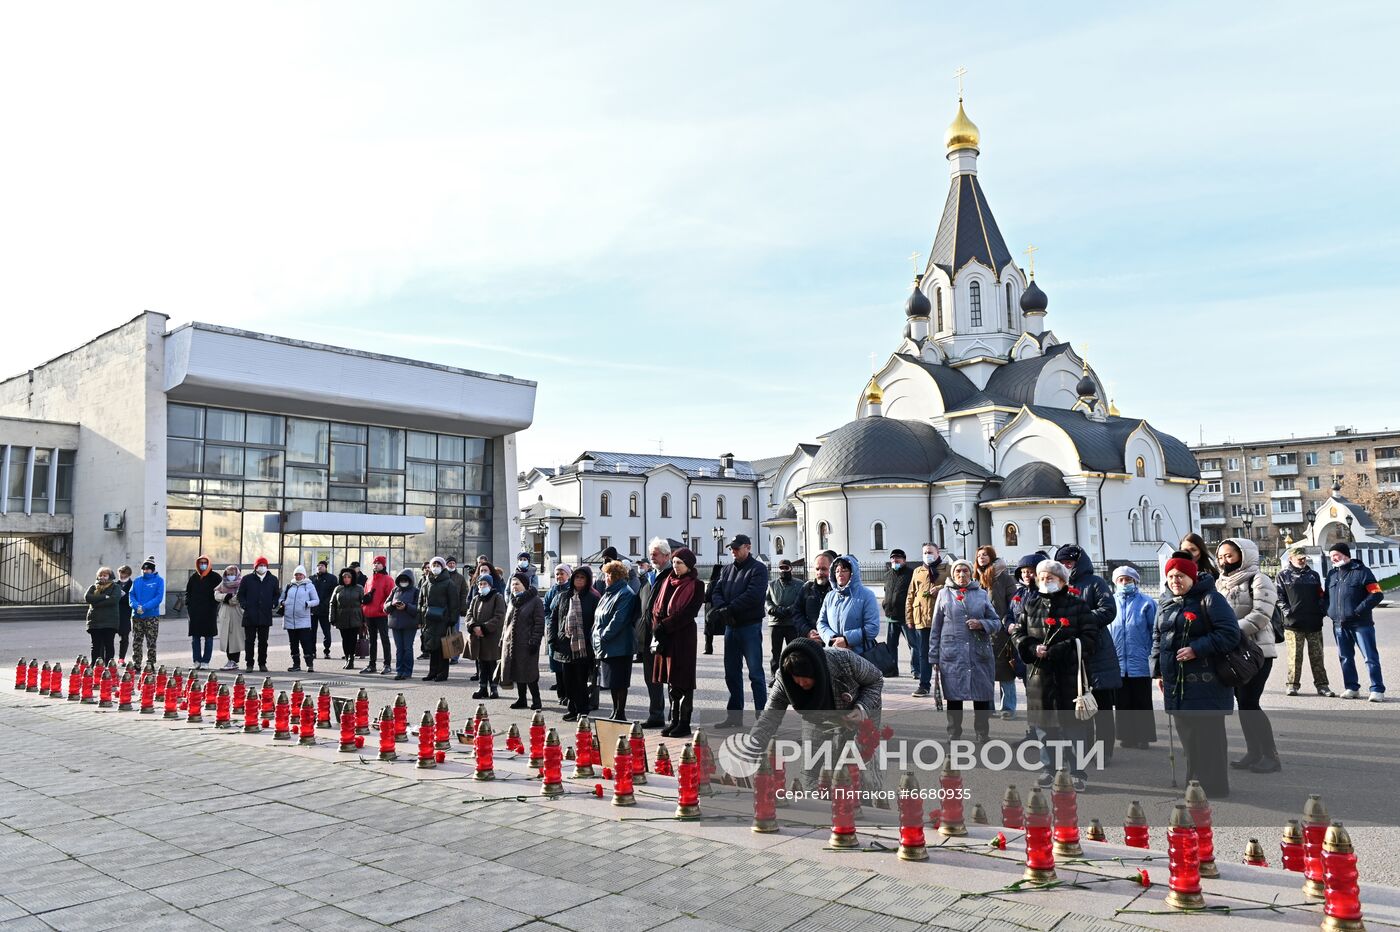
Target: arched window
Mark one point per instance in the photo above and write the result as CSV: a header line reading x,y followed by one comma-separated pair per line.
x,y
1047,532
632,505
940,537
974,303
604,505
666,505
719,507
1010,310
1011,536
1141,467
778,545
1137,529
938,295
1157,526
744,508
695,506
877,536
823,536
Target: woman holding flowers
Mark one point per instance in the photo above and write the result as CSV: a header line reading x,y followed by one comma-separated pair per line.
x,y
1056,631
964,621
1195,626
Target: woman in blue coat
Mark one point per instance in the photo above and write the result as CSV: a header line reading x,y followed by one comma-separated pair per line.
x,y
614,634
964,621
850,615
1133,631
1195,626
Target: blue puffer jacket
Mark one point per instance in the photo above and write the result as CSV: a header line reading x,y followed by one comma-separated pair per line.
x,y
615,621
850,611
148,596
1103,663
1133,632
1352,592
1211,630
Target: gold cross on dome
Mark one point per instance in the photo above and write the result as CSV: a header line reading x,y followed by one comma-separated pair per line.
x,y
1030,258
959,75
872,363
914,259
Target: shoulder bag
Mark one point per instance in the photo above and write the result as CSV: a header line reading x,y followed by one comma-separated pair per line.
x,y
1085,705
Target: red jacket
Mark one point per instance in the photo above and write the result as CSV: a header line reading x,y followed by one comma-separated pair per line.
x,y
378,588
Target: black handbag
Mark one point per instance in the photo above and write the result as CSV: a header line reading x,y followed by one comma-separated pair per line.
x,y
1240,664
882,657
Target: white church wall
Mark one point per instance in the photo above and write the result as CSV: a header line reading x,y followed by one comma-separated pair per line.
x,y
1035,441
903,515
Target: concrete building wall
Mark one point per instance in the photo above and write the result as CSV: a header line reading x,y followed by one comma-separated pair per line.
x,y
112,387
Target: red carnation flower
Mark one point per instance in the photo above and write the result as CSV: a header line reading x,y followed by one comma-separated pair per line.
x,y
1015,598
960,595
887,733
1064,622
1189,616
1074,590
607,773
598,790
1142,877
1000,841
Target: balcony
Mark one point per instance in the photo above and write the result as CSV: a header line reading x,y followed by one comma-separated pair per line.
x,y
1210,474
1212,496
1291,517
1213,520
1388,486
1290,469
1286,493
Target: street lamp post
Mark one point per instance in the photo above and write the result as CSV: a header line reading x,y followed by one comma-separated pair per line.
x,y
964,532
542,530
718,534
1249,525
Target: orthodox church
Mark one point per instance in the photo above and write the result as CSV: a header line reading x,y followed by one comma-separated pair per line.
x,y
983,426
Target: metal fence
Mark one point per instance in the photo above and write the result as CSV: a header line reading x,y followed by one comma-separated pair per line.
x,y
35,571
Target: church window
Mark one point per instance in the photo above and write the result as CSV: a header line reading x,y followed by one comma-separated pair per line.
x,y
744,508
1010,310
1011,536
1047,532
779,545
877,536
1141,467
632,505
940,534
1137,527
1157,526
666,505
974,303
823,536
719,507
695,506
604,505
938,295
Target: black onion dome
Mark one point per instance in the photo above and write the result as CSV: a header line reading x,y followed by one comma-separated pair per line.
x,y
917,305
1033,299
880,448
1086,387
1034,480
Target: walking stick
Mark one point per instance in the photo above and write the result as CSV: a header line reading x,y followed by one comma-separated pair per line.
x,y
1171,747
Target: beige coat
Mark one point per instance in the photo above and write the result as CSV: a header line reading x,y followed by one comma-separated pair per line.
x,y
923,593
1252,595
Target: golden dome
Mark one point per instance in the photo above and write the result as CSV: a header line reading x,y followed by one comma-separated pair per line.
x,y
1112,408
962,132
873,394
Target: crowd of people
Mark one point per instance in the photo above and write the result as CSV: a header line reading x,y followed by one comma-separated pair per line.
x,y
975,630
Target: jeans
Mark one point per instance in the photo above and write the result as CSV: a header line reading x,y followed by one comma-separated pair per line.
x,y
202,654
1068,732
925,668
893,632
403,650
744,645
1348,639
1008,695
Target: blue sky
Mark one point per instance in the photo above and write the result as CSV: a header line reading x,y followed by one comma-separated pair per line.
x,y
690,222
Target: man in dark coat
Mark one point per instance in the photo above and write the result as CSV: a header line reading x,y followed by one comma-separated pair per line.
x,y
1105,676
202,609
710,628
737,604
439,611
1352,593
781,603
809,602
896,591
659,551
324,584
258,594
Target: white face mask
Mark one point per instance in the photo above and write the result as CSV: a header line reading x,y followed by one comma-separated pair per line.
x,y
523,564
261,571
230,579
930,559
483,589
1051,587
435,569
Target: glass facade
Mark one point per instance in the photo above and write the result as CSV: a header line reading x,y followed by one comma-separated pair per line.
x,y
227,471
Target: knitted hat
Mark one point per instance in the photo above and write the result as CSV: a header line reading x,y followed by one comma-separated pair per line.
x,y
260,561
1029,562
1341,547
1052,566
1070,552
523,577
1182,565
1127,571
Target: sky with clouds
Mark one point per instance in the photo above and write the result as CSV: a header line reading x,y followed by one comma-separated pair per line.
x,y
690,223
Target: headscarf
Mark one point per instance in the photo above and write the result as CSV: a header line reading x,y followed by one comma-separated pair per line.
x,y
224,588
813,656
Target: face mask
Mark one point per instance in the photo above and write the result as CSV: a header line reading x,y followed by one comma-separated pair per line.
x,y
483,589
261,571
203,567
148,572
930,559
1228,567
1051,587
786,577
1128,588
435,569
896,564
523,564
403,584
230,579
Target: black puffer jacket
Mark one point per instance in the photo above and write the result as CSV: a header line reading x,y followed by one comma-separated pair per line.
x,y
1098,598
1302,599
1052,682
1204,621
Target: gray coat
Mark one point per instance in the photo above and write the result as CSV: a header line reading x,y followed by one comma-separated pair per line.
x,y
965,658
1252,595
